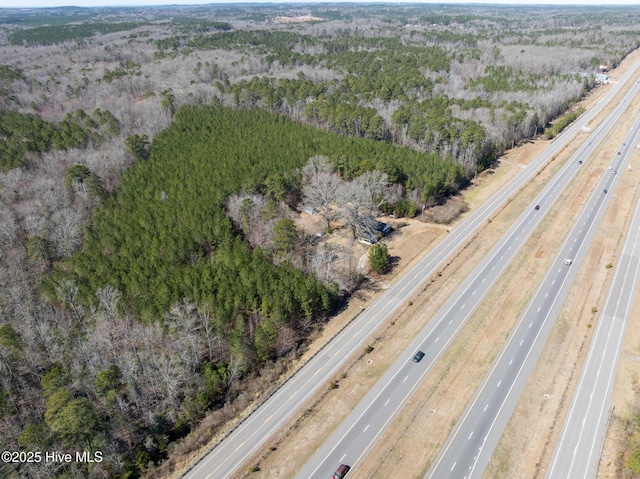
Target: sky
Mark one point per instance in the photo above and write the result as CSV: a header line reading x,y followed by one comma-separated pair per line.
x,y
102,3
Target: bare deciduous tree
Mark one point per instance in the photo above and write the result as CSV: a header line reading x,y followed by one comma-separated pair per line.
x,y
320,188
66,230
374,189
109,298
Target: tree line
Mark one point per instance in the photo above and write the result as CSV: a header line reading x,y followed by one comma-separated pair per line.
x,y
25,133
128,355
162,248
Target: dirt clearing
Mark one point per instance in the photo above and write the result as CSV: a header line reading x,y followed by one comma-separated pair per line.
x,y
410,445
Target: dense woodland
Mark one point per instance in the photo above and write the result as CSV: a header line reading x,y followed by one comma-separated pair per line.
x,y
153,165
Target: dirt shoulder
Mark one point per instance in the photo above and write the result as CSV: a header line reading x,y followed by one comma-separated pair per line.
x,y
405,450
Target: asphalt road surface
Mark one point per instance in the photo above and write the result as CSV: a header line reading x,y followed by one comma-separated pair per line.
x,y
255,430
472,442
578,450
360,431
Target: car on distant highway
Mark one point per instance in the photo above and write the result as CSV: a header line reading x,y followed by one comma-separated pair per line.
x,y
341,472
536,207
418,357
604,191
568,261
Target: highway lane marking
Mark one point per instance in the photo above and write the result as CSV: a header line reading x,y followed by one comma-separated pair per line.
x,y
470,435
521,366
499,383
485,408
539,308
387,402
247,424
454,465
492,269
295,393
405,379
530,324
553,282
365,429
437,339
521,341
343,456
510,361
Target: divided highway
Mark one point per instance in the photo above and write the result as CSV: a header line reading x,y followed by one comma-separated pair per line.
x,y
252,433
577,452
360,431
472,442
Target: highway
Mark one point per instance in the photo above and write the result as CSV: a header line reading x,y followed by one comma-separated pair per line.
x,y
474,438
255,430
578,450
360,431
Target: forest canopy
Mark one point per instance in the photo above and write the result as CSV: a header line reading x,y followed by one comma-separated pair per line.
x,y
178,277
164,235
